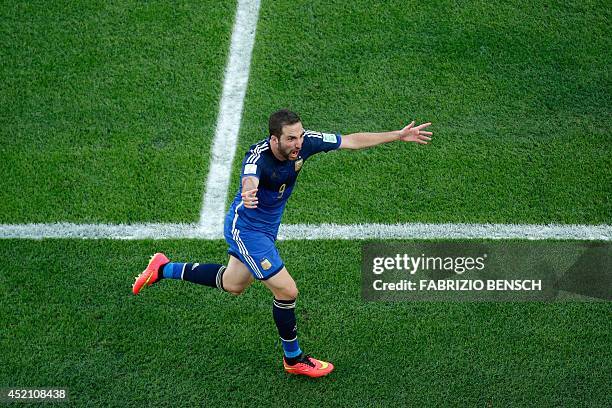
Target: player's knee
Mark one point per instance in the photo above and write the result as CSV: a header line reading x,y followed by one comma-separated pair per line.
x,y
234,289
290,292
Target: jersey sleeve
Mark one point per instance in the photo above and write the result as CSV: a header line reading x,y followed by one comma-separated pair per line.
x,y
316,142
252,164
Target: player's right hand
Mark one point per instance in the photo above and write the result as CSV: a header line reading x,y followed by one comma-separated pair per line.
x,y
249,198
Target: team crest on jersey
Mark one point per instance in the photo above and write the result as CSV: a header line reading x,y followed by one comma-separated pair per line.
x,y
298,165
265,264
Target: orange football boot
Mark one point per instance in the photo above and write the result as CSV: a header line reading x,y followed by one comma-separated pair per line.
x,y
309,366
150,275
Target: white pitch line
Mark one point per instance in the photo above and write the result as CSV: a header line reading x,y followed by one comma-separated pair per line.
x,y
446,231
104,231
315,231
230,114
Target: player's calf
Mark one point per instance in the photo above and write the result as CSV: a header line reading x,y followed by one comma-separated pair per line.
x,y
160,268
294,360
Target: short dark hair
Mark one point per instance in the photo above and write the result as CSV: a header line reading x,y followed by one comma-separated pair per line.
x,y
281,118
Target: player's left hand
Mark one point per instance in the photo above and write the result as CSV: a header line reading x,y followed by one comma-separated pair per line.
x,y
415,134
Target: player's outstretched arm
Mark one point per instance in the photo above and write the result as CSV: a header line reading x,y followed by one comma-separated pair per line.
x,y
410,133
249,191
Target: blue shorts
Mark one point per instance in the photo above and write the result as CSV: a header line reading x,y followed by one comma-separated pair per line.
x,y
254,249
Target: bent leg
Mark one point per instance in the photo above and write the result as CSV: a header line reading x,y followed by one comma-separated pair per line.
x,y
202,274
236,277
160,268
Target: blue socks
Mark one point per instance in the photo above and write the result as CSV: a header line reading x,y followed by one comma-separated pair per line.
x,y
284,317
173,270
203,274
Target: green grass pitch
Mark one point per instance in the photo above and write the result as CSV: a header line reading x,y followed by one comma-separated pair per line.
x,y
71,320
108,110
518,93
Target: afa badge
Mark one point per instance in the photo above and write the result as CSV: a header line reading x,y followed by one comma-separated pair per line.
x,y
265,264
298,165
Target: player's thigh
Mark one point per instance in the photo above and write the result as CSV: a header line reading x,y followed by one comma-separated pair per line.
x,y
257,251
237,276
282,285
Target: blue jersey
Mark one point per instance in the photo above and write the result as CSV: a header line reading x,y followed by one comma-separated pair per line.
x,y
276,181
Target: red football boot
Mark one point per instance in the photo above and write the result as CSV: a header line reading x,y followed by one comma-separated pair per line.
x,y
309,366
150,275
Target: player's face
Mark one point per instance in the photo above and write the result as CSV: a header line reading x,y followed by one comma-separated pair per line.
x,y
291,141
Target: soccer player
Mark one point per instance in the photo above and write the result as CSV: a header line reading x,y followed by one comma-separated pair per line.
x,y
269,171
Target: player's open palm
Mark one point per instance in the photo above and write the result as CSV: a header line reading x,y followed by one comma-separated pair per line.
x,y
415,134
